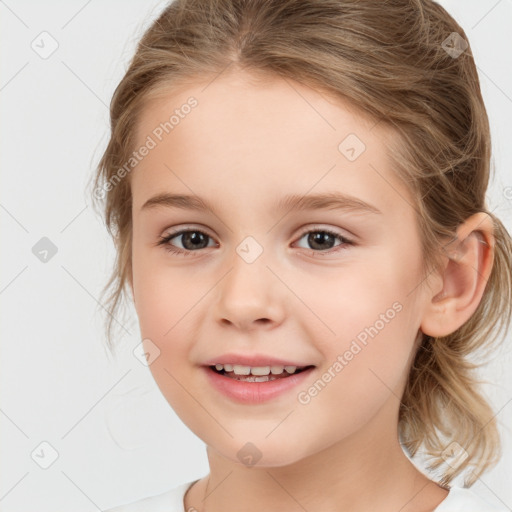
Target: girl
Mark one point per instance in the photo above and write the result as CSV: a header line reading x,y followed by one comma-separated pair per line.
x,y
296,190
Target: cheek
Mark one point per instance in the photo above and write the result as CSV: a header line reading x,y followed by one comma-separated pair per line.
x,y
166,317
373,322
162,295
359,378
164,302
368,289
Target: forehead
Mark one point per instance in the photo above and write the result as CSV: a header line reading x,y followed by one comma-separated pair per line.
x,y
263,133
244,99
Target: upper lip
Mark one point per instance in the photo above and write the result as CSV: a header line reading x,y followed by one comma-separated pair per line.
x,y
252,360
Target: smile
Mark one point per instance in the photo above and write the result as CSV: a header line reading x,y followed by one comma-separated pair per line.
x,y
256,373
255,384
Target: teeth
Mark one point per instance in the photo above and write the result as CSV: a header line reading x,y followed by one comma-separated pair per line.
x,y
239,369
263,378
260,370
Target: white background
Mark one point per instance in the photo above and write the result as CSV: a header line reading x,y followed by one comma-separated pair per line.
x,y
116,437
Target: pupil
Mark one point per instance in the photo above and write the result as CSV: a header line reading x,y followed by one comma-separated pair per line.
x,y
321,237
195,239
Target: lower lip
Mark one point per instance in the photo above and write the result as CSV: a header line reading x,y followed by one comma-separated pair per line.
x,y
254,392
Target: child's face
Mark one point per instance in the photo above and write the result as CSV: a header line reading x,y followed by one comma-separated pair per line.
x,y
351,310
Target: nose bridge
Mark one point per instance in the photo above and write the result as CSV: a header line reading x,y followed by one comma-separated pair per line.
x,y
248,294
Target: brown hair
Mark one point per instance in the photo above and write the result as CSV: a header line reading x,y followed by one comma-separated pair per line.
x,y
388,59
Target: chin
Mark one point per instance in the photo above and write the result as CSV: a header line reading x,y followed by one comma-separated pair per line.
x,y
262,453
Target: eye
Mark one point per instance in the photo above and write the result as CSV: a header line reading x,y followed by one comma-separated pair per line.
x,y
322,240
190,239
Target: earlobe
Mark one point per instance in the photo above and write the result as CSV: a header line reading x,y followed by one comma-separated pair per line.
x,y
468,265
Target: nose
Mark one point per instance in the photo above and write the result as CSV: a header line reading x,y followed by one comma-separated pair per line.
x,y
249,297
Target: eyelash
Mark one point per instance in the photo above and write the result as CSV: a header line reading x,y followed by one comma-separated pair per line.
x,y
164,241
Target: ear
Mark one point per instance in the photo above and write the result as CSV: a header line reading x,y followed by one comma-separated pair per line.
x,y
465,272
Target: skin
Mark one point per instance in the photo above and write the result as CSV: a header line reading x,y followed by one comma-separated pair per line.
x,y
247,144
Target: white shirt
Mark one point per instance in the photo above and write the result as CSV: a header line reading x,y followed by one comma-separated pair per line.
x,y
459,499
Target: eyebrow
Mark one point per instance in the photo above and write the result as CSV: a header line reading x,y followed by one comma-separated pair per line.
x,y
293,202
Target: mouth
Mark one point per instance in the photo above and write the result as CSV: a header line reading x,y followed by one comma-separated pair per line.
x,y
257,373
